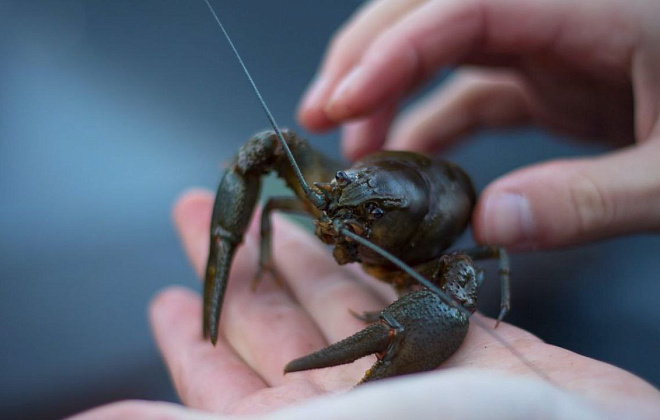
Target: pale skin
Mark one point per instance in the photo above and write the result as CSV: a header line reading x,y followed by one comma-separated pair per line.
x,y
579,68
264,329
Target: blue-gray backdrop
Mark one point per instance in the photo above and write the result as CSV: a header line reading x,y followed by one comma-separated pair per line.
x,y
109,109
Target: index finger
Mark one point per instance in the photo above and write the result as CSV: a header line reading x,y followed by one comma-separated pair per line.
x,y
346,49
404,52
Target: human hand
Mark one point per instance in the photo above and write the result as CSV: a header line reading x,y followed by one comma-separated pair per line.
x,y
262,330
587,68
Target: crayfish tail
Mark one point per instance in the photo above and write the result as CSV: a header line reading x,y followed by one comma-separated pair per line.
x,y
373,339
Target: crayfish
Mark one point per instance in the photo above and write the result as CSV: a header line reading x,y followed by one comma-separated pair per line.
x,y
393,212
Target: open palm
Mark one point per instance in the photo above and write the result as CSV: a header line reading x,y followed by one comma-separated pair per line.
x,y
264,328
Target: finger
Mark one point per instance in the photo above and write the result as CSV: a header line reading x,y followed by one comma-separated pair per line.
x,y
468,393
266,326
328,293
145,410
367,135
254,322
347,46
470,100
573,201
192,219
326,290
205,377
445,32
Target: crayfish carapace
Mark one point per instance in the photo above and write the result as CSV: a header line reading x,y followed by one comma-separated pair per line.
x,y
394,212
410,206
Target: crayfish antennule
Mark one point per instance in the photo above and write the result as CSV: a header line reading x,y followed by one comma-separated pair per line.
x,y
324,187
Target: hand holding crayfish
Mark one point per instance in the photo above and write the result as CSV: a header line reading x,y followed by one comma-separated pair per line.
x,y
613,48
264,329
426,202
393,212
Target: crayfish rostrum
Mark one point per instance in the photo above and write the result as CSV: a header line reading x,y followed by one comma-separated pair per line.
x,y
391,211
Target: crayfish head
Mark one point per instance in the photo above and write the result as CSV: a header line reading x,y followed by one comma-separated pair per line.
x,y
382,204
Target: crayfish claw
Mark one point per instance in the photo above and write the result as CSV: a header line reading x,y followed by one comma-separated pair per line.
x,y
221,254
414,334
373,339
232,210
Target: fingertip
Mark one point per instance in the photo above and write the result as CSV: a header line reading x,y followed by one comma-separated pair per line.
x,y
170,298
528,209
383,76
311,113
354,146
192,219
572,201
504,218
367,135
171,312
192,206
315,120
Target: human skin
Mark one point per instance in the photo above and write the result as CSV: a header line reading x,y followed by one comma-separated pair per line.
x,y
578,67
262,330
590,69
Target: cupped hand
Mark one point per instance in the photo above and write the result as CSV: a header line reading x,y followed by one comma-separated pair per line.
x,y
263,329
587,68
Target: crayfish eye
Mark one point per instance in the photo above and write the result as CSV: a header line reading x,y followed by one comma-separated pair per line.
x,y
374,211
342,178
377,213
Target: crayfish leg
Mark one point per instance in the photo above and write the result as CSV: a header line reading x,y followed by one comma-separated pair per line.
x,y
290,205
235,202
489,252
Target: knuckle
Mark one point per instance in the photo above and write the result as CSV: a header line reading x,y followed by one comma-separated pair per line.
x,y
592,204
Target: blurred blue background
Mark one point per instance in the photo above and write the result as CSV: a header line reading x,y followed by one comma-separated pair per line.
x,y
109,110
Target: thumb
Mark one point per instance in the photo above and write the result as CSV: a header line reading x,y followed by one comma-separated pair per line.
x,y
568,202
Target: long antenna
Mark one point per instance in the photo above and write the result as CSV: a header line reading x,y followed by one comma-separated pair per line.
x,y
316,199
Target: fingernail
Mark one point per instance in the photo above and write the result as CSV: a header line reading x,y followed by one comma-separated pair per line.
x,y
339,95
508,220
314,93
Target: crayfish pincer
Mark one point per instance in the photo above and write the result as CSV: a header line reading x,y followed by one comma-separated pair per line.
x,y
395,213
